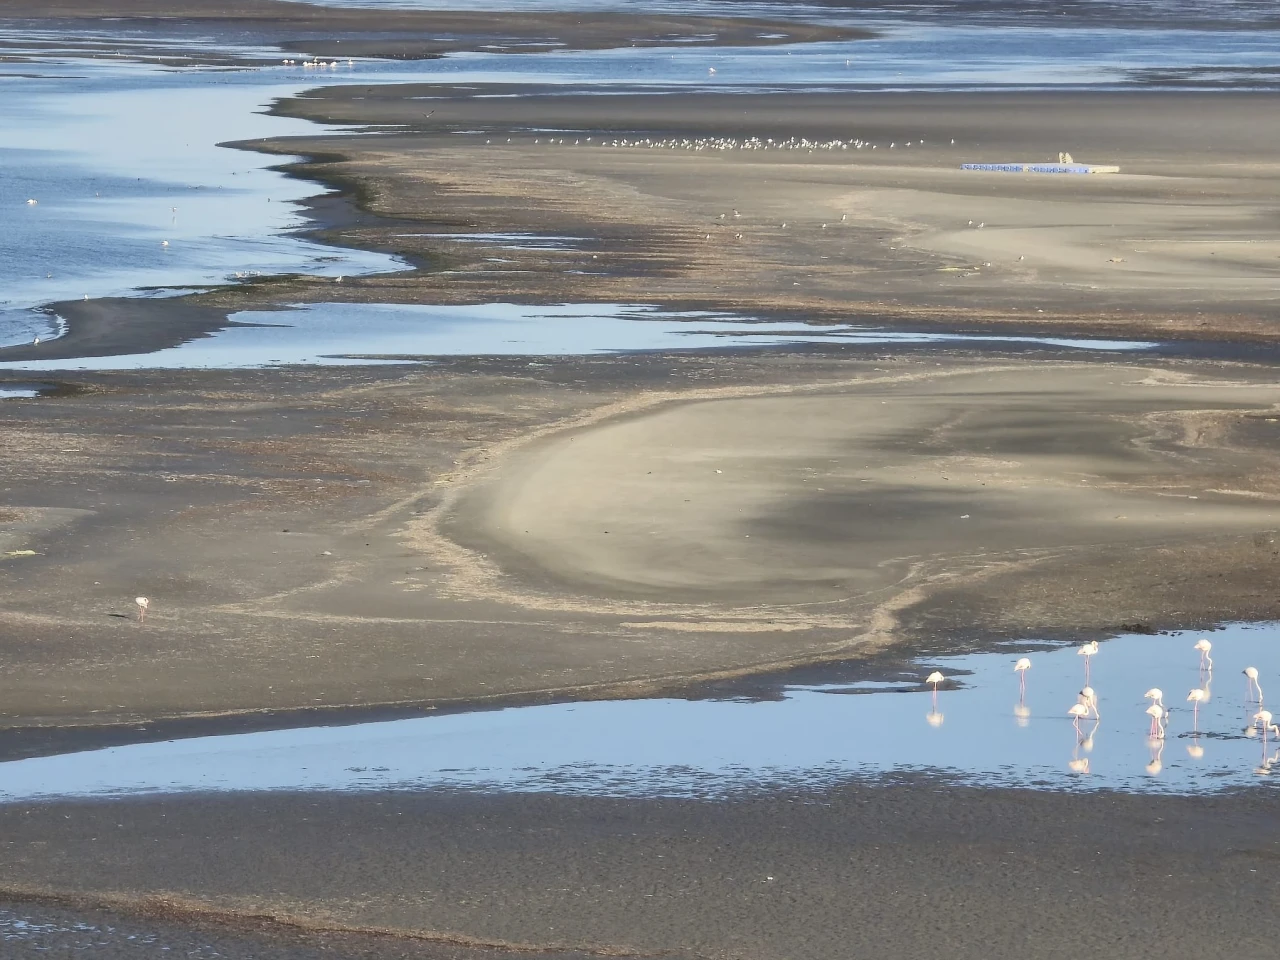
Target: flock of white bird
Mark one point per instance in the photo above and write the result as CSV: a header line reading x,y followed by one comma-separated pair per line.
x,y
729,143
1086,706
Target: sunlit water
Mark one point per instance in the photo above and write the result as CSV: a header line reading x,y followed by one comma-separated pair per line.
x,y
354,333
979,728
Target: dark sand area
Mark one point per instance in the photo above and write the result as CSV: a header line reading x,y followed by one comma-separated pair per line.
x,y
891,869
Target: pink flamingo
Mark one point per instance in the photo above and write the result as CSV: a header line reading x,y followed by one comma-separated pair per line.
x,y
142,603
1078,712
935,678
1251,676
1087,650
1206,661
1021,668
1157,714
1197,696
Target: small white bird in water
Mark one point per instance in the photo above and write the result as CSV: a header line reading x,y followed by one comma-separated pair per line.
x,y
32,203
164,243
36,342
143,603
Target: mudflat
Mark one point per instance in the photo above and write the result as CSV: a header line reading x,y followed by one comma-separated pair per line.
x,y
489,528
339,544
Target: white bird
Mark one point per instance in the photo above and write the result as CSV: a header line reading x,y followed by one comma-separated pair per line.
x,y
164,243
143,603
1157,714
1078,712
1197,696
32,203
1204,646
1155,695
935,678
1021,668
1264,720
1087,650
1089,697
1251,673
35,342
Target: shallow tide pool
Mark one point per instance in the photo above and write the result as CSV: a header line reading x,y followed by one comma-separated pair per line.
x,y
980,728
363,333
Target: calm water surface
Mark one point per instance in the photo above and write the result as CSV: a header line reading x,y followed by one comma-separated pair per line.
x,y
346,333
979,728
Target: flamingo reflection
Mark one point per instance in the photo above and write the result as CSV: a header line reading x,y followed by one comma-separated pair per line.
x,y
934,718
1156,745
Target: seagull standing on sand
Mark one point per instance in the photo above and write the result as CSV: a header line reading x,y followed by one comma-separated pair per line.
x,y
142,603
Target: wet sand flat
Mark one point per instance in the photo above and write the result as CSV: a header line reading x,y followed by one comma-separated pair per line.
x,y
894,868
1179,242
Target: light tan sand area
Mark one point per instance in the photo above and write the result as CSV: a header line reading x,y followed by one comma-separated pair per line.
x,y
820,497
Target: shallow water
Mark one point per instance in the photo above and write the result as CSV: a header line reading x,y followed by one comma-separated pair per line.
x,y
131,191
18,393
979,729
351,333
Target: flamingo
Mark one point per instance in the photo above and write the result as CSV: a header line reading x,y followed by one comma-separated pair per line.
x,y
1197,696
1155,695
1204,646
1157,754
935,678
1089,697
1251,673
1078,712
1263,719
1021,668
1157,714
1087,650
142,603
